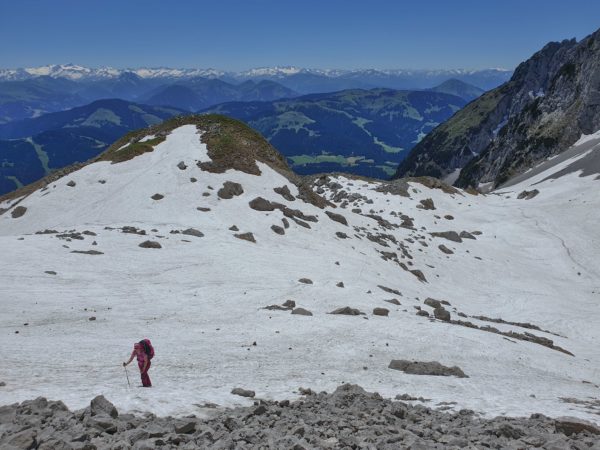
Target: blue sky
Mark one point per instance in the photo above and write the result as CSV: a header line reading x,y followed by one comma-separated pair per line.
x,y
241,34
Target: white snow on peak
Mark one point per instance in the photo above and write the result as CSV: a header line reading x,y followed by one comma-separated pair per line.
x,y
200,299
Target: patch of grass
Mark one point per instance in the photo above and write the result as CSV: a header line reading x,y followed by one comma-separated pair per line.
x,y
117,154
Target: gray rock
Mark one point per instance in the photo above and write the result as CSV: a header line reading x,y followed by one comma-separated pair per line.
x,y
426,368
393,301
100,405
71,183
246,237
466,235
423,313
150,244
284,191
25,440
243,392
17,212
527,195
186,428
193,232
157,197
571,425
337,217
445,249
261,204
181,165
441,314
381,312
433,302
302,312
347,311
277,229
450,235
426,204
230,190
305,281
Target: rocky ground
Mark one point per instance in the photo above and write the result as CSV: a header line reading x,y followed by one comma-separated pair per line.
x,y
349,418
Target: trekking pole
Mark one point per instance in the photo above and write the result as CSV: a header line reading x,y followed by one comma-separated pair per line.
x,y
127,375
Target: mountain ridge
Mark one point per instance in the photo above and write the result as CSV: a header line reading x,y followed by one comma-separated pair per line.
x,y
550,101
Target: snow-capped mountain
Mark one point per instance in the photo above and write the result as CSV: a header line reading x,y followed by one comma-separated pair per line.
x,y
485,78
196,234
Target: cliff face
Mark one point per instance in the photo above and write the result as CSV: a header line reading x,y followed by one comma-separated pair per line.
x,y
549,102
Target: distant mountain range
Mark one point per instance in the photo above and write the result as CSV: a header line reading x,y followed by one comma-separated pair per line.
x,y
367,132
364,132
32,97
33,148
552,99
487,78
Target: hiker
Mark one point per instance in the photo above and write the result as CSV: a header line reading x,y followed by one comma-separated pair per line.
x,y
144,352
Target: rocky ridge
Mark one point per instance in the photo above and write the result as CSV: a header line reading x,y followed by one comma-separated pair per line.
x,y
349,417
550,101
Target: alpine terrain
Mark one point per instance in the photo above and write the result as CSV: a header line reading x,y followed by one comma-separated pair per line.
x,y
258,286
33,148
364,132
550,101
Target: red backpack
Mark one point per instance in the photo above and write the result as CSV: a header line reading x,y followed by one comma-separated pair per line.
x,y
148,349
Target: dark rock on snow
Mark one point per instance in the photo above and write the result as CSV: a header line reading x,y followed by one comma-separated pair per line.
x,y
426,368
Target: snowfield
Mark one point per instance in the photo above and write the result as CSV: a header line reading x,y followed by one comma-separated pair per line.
x,y
201,299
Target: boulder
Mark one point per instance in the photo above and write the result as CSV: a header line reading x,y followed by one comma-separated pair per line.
x,y
466,235
445,249
246,237
422,313
25,440
347,311
381,312
185,428
17,212
301,312
284,191
71,183
337,217
261,204
243,392
426,368
450,235
433,302
100,405
571,425
193,232
277,229
393,301
441,314
230,190
181,165
426,204
157,197
305,281
150,244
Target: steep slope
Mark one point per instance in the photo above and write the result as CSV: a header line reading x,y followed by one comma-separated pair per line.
x,y
33,148
551,100
361,132
236,238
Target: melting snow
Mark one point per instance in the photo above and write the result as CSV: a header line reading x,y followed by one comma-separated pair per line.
x,y
200,299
